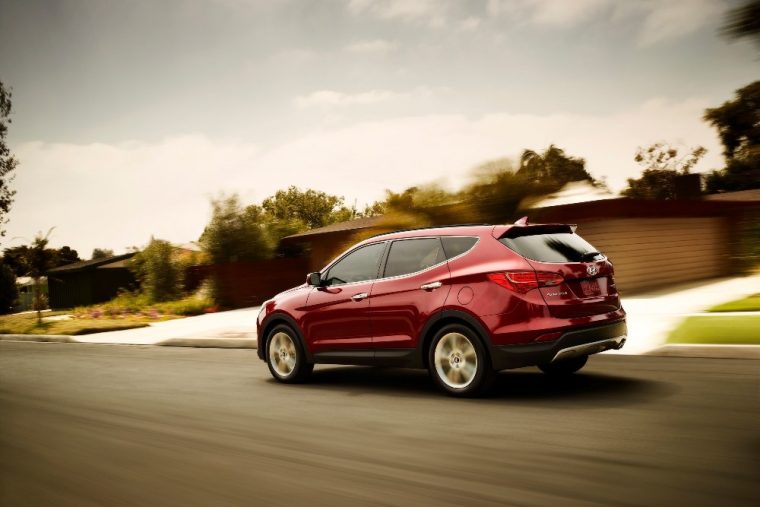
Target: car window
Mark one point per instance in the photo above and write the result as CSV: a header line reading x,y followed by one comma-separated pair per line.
x,y
457,245
553,247
360,265
412,255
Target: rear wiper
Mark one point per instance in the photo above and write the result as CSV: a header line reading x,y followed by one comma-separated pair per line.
x,y
590,256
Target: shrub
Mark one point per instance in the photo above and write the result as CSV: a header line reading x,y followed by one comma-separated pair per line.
x,y
235,233
131,305
8,290
159,275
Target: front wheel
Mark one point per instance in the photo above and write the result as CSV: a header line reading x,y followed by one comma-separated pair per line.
x,y
564,366
458,362
285,356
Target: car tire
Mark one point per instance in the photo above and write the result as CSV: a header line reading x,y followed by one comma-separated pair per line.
x,y
458,362
285,356
565,366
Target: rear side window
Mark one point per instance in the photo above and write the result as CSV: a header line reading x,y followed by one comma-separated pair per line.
x,y
412,255
358,266
457,245
553,247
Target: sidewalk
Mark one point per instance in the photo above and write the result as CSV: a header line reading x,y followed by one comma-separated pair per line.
x,y
231,329
653,315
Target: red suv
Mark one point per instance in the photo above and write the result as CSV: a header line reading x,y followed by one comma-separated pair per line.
x,y
461,301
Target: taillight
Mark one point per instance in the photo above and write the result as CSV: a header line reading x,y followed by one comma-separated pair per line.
x,y
523,281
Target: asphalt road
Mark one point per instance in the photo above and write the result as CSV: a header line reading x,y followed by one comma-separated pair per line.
x,y
128,425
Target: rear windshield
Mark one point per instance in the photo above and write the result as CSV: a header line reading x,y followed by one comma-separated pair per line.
x,y
553,247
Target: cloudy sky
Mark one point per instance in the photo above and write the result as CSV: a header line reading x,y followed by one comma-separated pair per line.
x,y
131,115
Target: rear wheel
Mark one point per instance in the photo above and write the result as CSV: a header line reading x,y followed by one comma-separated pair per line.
x,y
565,366
458,362
285,356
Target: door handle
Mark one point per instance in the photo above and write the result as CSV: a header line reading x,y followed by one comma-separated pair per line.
x,y
430,286
360,296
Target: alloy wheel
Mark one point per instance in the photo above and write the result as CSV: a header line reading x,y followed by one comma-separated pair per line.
x,y
282,354
456,360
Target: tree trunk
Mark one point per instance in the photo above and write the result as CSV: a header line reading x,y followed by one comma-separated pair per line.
x,y
38,300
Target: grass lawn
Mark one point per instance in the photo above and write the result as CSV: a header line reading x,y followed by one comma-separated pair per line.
x,y
748,304
739,330
27,324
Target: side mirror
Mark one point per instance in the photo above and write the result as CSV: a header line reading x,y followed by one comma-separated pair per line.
x,y
314,279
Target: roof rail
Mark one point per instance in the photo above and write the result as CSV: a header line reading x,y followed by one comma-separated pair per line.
x,y
430,227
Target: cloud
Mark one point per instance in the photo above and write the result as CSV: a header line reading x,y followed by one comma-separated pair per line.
x,y
372,46
330,98
334,99
470,23
547,12
113,196
676,18
432,11
118,195
656,20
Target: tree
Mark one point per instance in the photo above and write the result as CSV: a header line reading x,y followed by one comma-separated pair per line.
x,y
8,289
235,233
738,125
664,157
552,167
309,207
663,165
65,255
7,161
15,258
500,186
372,210
417,198
743,21
160,277
39,260
101,253
498,190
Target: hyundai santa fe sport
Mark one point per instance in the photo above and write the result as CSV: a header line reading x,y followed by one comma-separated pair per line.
x,y
460,301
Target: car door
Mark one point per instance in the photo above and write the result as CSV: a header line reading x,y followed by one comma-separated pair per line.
x,y
413,285
337,313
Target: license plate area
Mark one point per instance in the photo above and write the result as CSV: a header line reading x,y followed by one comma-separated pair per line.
x,y
590,288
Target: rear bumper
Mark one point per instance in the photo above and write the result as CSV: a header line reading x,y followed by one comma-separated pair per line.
x,y
576,342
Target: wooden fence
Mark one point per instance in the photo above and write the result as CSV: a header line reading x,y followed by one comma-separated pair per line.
x,y
243,284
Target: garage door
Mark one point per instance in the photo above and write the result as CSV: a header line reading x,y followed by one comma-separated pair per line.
x,y
651,253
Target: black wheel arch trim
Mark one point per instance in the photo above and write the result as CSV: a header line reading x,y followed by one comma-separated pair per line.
x,y
281,318
470,320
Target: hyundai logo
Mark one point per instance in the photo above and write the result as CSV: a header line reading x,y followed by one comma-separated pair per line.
x,y
592,270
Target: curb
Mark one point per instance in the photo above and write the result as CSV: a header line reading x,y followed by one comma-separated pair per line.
x,y
708,351
217,343
49,338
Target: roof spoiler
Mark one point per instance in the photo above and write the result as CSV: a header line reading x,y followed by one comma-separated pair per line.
x,y
522,228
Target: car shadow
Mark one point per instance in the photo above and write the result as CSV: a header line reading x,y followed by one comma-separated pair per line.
x,y
526,386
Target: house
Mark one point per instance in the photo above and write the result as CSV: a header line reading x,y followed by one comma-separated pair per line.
x,y
324,241
25,287
738,196
89,282
653,244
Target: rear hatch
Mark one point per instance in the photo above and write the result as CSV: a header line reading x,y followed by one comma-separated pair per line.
x,y
587,287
